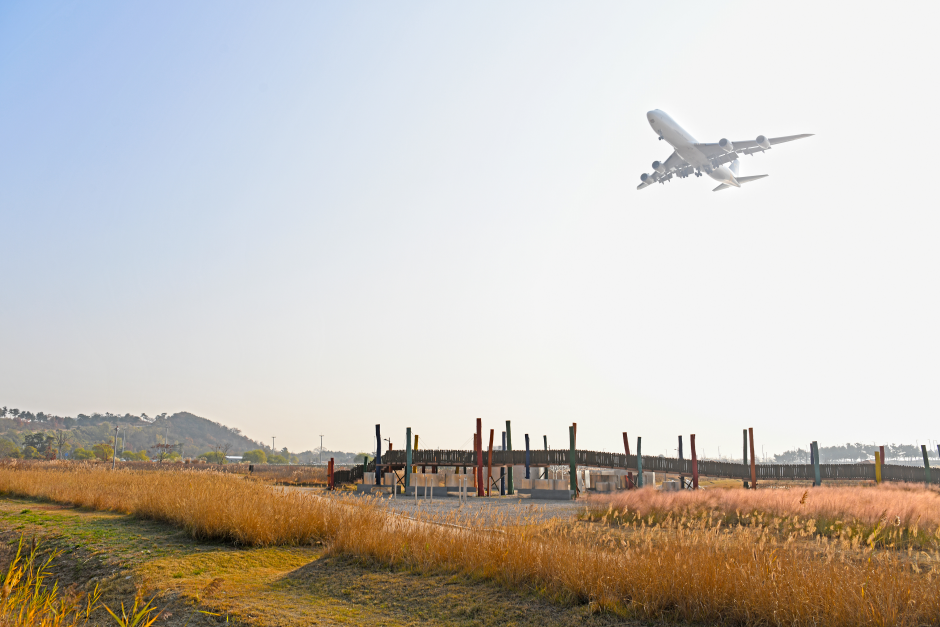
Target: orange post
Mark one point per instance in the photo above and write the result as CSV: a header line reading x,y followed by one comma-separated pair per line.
x,y
750,435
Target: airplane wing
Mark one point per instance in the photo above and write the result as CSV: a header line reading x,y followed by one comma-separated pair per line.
x,y
672,165
744,147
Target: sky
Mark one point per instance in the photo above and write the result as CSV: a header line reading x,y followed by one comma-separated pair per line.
x,y
303,218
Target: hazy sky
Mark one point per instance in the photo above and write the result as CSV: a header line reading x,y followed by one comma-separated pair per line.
x,y
308,218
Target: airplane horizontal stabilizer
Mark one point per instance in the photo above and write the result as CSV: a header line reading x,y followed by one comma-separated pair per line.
x,y
742,180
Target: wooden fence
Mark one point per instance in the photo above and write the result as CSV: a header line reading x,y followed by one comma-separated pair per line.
x,y
668,465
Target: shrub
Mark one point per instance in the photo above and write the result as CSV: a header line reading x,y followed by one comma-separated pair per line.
x,y
256,456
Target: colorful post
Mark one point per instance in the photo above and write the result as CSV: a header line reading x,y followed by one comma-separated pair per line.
x,y
817,481
884,460
378,455
508,447
545,439
489,466
479,447
639,462
408,458
694,462
572,466
750,435
415,467
626,449
681,476
527,456
502,472
923,449
744,458
331,484
877,466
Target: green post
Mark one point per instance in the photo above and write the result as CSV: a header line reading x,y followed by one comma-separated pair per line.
x,y
923,449
509,470
407,457
818,477
639,462
573,468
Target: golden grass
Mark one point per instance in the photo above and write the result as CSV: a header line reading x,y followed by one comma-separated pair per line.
x,y
26,599
692,568
903,515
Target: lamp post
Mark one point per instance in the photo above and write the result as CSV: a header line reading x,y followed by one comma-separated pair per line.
x,y
320,454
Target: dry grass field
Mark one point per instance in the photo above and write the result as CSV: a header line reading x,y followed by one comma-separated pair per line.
x,y
690,563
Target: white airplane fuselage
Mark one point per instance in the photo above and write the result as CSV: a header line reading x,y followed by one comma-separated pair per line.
x,y
684,144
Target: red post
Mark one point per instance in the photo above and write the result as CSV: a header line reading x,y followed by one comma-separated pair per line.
x,y
881,449
478,441
694,462
575,425
331,474
750,435
626,449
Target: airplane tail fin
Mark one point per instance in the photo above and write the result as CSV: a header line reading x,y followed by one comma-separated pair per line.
x,y
741,180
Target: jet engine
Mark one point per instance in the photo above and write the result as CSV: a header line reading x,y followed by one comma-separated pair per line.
x,y
763,142
726,145
644,176
659,167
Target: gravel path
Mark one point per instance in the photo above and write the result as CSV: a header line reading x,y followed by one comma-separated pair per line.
x,y
493,510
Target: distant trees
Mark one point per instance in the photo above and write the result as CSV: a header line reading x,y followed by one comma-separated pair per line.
x,y
277,459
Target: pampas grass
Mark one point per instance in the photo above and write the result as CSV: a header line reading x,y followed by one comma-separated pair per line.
x,y
689,567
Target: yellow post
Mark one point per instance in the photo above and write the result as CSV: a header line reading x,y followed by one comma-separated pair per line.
x,y
877,467
415,467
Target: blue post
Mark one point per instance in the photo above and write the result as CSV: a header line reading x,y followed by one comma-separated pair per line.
x,y
378,454
408,457
526,455
639,463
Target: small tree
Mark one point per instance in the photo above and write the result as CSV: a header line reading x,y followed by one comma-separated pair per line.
x,y
256,456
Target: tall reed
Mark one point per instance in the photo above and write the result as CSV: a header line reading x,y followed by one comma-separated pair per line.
x,y
691,568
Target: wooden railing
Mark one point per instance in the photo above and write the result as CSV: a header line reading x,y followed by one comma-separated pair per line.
x,y
669,465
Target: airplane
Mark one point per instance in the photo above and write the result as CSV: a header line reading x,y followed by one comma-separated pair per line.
x,y
691,157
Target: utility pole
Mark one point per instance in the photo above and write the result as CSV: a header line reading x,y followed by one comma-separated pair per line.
x,y
123,440
114,448
320,455
272,445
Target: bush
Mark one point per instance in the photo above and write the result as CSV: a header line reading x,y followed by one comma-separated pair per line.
x,y
103,450
256,456
82,454
276,459
213,457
